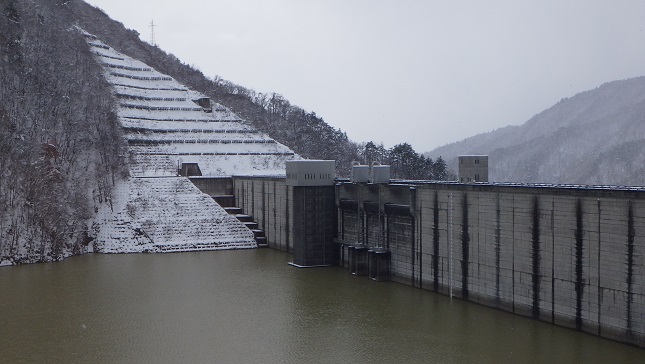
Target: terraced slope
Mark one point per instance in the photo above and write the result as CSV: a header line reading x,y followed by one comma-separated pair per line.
x,y
164,215
168,124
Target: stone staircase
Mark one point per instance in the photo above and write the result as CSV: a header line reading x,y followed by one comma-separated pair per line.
x,y
228,203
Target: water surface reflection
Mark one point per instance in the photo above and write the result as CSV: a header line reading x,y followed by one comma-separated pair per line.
x,y
251,307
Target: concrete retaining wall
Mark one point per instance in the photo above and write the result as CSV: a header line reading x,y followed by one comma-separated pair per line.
x,y
573,257
269,201
570,256
214,186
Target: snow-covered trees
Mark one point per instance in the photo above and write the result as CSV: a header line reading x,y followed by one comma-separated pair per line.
x,y
59,144
304,132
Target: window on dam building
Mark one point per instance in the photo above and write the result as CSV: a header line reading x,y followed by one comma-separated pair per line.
x,y
473,168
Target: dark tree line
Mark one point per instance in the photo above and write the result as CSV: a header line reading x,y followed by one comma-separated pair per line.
x,y
312,137
304,132
405,163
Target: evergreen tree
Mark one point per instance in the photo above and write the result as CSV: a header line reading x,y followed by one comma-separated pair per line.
x,y
440,170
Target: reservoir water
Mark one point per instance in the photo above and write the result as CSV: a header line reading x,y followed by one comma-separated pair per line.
x,y
251,307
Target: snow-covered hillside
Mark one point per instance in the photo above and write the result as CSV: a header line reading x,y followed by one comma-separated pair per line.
x,y
165,215
168,124
595,137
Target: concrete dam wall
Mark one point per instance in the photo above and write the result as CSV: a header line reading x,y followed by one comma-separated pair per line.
x,y
564,255
269,200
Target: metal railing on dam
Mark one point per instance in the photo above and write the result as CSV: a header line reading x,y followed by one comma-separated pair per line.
x,y
568,255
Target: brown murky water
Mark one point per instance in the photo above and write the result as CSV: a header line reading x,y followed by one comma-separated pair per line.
x,y
251,307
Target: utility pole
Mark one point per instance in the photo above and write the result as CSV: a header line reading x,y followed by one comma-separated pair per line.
x,y
152,33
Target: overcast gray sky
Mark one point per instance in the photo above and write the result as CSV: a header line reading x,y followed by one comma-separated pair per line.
x,y
424,72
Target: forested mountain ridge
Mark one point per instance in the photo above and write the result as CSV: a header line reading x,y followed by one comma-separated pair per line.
x,y
271,113
304,132
61,145
596,137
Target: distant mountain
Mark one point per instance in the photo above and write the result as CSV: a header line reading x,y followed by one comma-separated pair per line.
x,y
595,137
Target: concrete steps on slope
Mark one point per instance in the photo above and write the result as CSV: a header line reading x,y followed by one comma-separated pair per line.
x,y
260,238
233,210
225,200
228,203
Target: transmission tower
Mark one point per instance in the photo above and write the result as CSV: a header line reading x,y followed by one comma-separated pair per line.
x,y
152,33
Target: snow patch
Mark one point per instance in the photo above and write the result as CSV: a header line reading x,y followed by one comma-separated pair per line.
x,y
167,124
165,215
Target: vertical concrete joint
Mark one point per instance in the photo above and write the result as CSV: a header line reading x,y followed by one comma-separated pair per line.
x,y
465,247
631,232
535,258
435,242
498,240
579,234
